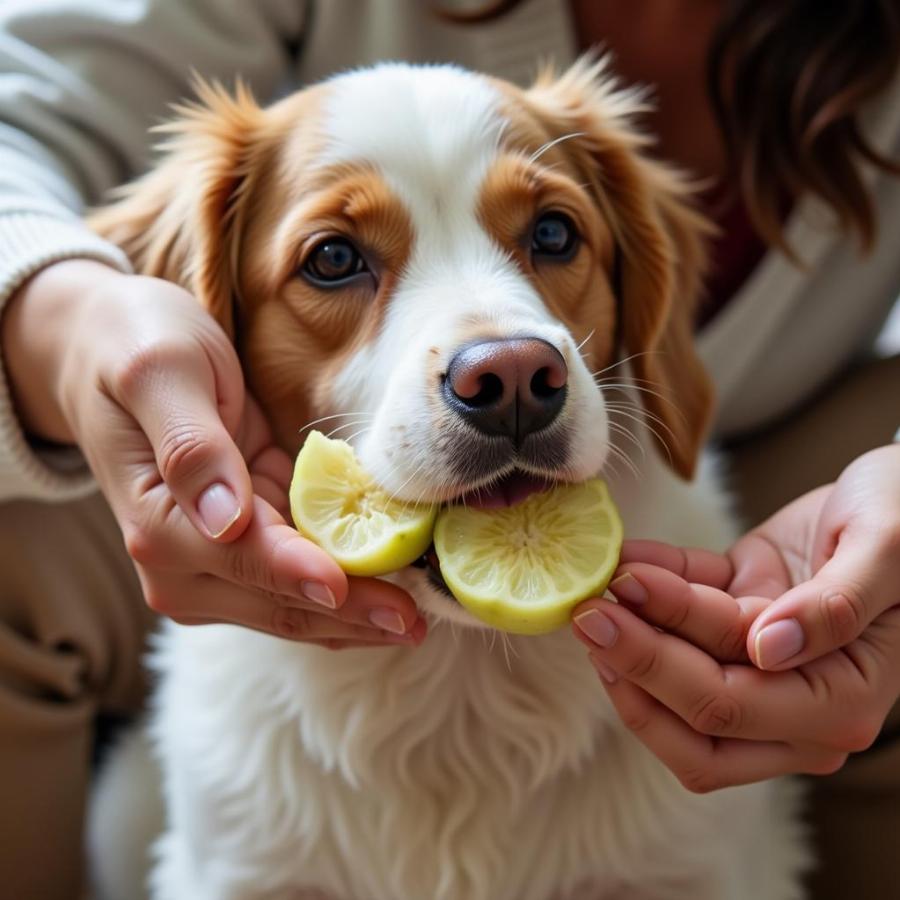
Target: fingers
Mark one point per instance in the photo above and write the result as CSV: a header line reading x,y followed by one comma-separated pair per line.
x,y
702,763
706,616
827,612
759,567
269,556
269,562
271,472
834,702
216,602
178,397
694,565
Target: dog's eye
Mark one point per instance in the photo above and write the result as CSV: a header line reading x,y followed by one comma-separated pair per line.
x,y
554,235
332,261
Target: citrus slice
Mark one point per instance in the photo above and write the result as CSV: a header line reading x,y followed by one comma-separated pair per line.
x,y
524,568
338,505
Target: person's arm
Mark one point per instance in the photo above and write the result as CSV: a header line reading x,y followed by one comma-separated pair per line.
x,y
81,82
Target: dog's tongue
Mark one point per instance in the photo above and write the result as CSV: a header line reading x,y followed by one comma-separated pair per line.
x,y
508,491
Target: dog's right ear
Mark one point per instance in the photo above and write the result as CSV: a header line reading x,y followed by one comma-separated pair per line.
x,y
661,241
181,221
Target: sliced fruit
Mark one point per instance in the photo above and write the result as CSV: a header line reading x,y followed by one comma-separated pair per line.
x,y
525,567
338,505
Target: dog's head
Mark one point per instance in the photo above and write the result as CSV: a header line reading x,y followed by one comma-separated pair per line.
x,y
444,259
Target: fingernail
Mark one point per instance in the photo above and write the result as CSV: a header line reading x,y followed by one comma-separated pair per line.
x,y
389,620
598,627
218,508
610,676
778,642
318,593
626,587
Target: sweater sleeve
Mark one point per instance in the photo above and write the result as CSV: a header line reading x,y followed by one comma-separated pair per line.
x,y
81,82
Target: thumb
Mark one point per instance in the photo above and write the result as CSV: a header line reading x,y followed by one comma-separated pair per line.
x,y
827,612
179,401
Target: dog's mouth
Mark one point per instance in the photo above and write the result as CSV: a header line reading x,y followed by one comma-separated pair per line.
x,y
510,489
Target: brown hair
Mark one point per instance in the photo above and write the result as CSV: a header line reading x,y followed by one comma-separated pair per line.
x,y
787,81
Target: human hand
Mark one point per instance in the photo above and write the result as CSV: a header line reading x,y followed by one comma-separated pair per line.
x,y
678,648
147,384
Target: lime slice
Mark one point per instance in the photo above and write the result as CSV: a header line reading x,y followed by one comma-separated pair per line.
x,y
338,505
525,567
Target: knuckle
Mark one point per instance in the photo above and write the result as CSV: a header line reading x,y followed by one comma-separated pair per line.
x,y
245,568
138,369
644,668
161,602
731,644
888,539
844,613
828,764
636,722
676,618
698,781
717,715
141,544
289,623
184,451
858,734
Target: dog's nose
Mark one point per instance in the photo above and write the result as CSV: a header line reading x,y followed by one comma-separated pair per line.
x,y
510,387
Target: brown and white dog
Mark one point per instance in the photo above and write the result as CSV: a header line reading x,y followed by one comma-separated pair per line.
x,y
449,260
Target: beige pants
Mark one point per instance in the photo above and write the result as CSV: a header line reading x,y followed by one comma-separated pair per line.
x,y
72,626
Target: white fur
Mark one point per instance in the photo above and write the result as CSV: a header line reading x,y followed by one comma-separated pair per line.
x,y
478,766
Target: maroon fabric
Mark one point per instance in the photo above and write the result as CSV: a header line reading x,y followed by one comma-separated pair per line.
x,y
735,252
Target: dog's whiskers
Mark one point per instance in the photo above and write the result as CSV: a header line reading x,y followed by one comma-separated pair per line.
x,y
641,418
551,144
626,460
617,428
622,362
625,387
638,415
355,423
611,462
509,650
415,472
356,434
590,335
664,441
334,416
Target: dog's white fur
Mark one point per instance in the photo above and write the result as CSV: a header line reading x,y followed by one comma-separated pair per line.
x,y
478,766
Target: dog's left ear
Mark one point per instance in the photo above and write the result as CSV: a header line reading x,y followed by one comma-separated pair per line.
x,y
181,221
661,243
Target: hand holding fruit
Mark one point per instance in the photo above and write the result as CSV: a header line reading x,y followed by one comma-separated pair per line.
x,y
811,596
155,400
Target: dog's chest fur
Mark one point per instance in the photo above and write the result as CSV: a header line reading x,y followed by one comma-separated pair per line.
x,y
444,772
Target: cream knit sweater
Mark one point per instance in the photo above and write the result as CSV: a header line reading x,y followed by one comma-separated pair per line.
x,y
81,81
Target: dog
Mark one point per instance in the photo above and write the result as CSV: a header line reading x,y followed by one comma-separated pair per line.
x,y
479,270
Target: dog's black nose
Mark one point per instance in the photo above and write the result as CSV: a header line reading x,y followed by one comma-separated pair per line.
x,y
510,387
